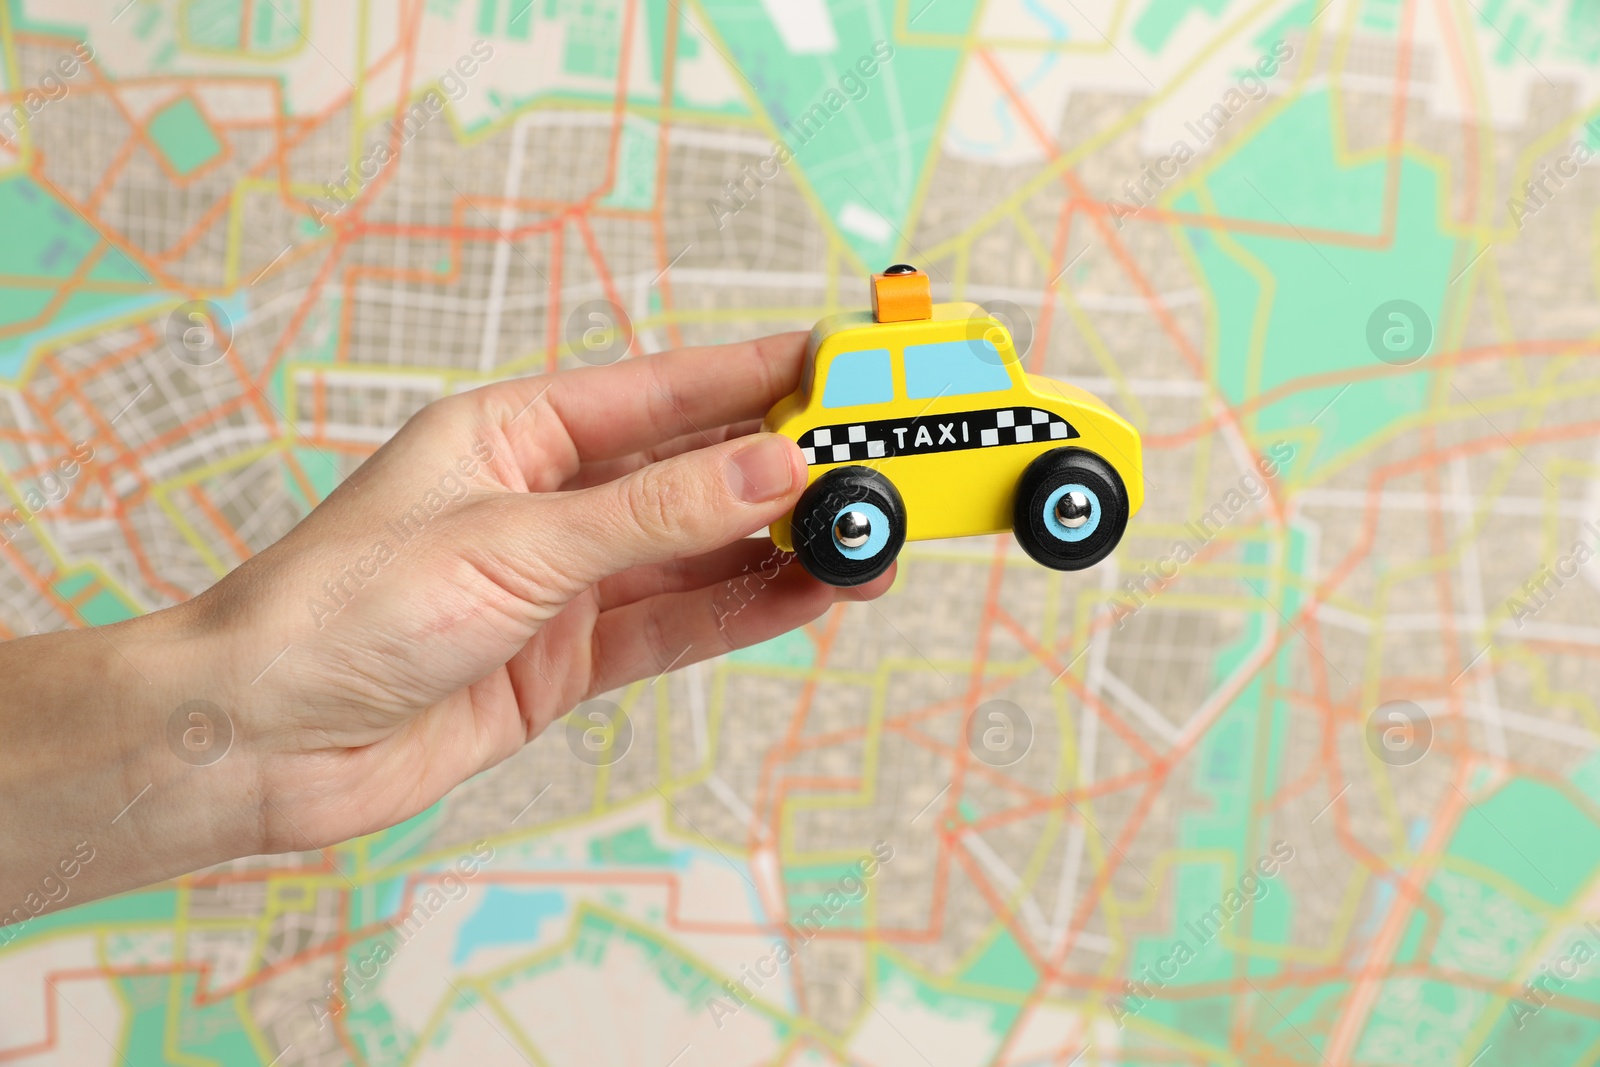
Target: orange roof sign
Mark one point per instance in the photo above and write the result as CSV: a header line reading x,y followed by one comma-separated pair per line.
x,y
901,294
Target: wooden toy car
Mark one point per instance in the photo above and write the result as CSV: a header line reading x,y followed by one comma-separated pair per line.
x,y
918,421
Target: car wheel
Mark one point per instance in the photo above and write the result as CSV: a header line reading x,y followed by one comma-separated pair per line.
x,y
849,526
1071,509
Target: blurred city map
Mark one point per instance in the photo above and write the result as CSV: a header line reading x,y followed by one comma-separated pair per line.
x,y
1304,774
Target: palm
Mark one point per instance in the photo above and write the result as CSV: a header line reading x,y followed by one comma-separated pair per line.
x,y
521,600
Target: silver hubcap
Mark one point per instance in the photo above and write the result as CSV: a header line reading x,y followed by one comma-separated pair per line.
x,y
853,529
1073,509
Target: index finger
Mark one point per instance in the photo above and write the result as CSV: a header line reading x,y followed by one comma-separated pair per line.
x,y
635,404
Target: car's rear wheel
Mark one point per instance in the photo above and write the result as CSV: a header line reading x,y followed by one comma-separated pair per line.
x,y
849,526
1071,509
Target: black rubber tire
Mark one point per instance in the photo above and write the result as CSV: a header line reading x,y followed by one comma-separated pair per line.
x,y
1051,471
811,526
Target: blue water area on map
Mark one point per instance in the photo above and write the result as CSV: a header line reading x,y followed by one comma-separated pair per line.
x,y
47,240
14,354
507,916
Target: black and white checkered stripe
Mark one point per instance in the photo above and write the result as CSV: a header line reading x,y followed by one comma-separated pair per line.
x,y
862,441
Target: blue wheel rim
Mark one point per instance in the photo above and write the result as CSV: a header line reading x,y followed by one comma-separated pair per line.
x,y
877,540
1081,533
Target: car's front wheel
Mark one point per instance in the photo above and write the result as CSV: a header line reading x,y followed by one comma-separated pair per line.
x,y
1071,509
849,526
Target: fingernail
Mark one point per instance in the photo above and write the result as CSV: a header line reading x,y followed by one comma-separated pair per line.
x,y
761,470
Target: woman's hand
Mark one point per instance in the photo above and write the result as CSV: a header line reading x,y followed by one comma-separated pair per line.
x,y
511,552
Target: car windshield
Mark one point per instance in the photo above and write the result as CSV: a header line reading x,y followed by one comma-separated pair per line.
x,y
954,368
859,378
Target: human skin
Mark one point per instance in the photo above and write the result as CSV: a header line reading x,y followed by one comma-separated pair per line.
x,y
594,543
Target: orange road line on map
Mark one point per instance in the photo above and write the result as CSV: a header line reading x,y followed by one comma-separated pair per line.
x,y
257,399
246,13
1448,638
1455,49
113,171
905,725
1397,117
319,404
217,519
339,967
552,316
559,212
137,130
1236,224
996,901
352,277
1298,977
129,457
1100,884
406,48
823,638
993,776
220,205
1353,1019
121,244
1128,735
284,142
669,72
969,706
69,285
619,106
182,181
1130,267
307,302
1444,360
1047,301
41,584
101,474
1471,447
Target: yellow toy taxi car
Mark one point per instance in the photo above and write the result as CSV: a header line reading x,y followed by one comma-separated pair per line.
x,y
918,421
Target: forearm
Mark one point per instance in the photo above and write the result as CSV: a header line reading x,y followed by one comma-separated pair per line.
x,y
100,790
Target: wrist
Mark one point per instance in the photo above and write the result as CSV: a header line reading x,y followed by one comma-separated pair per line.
x,y
118,742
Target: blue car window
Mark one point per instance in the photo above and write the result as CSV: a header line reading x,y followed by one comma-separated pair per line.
x,y
954,368
859,378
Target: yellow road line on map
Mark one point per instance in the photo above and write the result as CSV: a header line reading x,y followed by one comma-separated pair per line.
x,y
57,559
233,235
1070,158
358,93
88,333
1109,364
114,986
87,285
1548,695
252,1031
467,137
1478,89
189,534
1541,950
240,52
523,1041
175,1000
1260,320
818,210
903,34
1505,332
1213,1055
955,987
8,54
606,916
925,172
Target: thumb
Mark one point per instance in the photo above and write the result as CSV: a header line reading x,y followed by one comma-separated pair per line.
x,y
683,506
